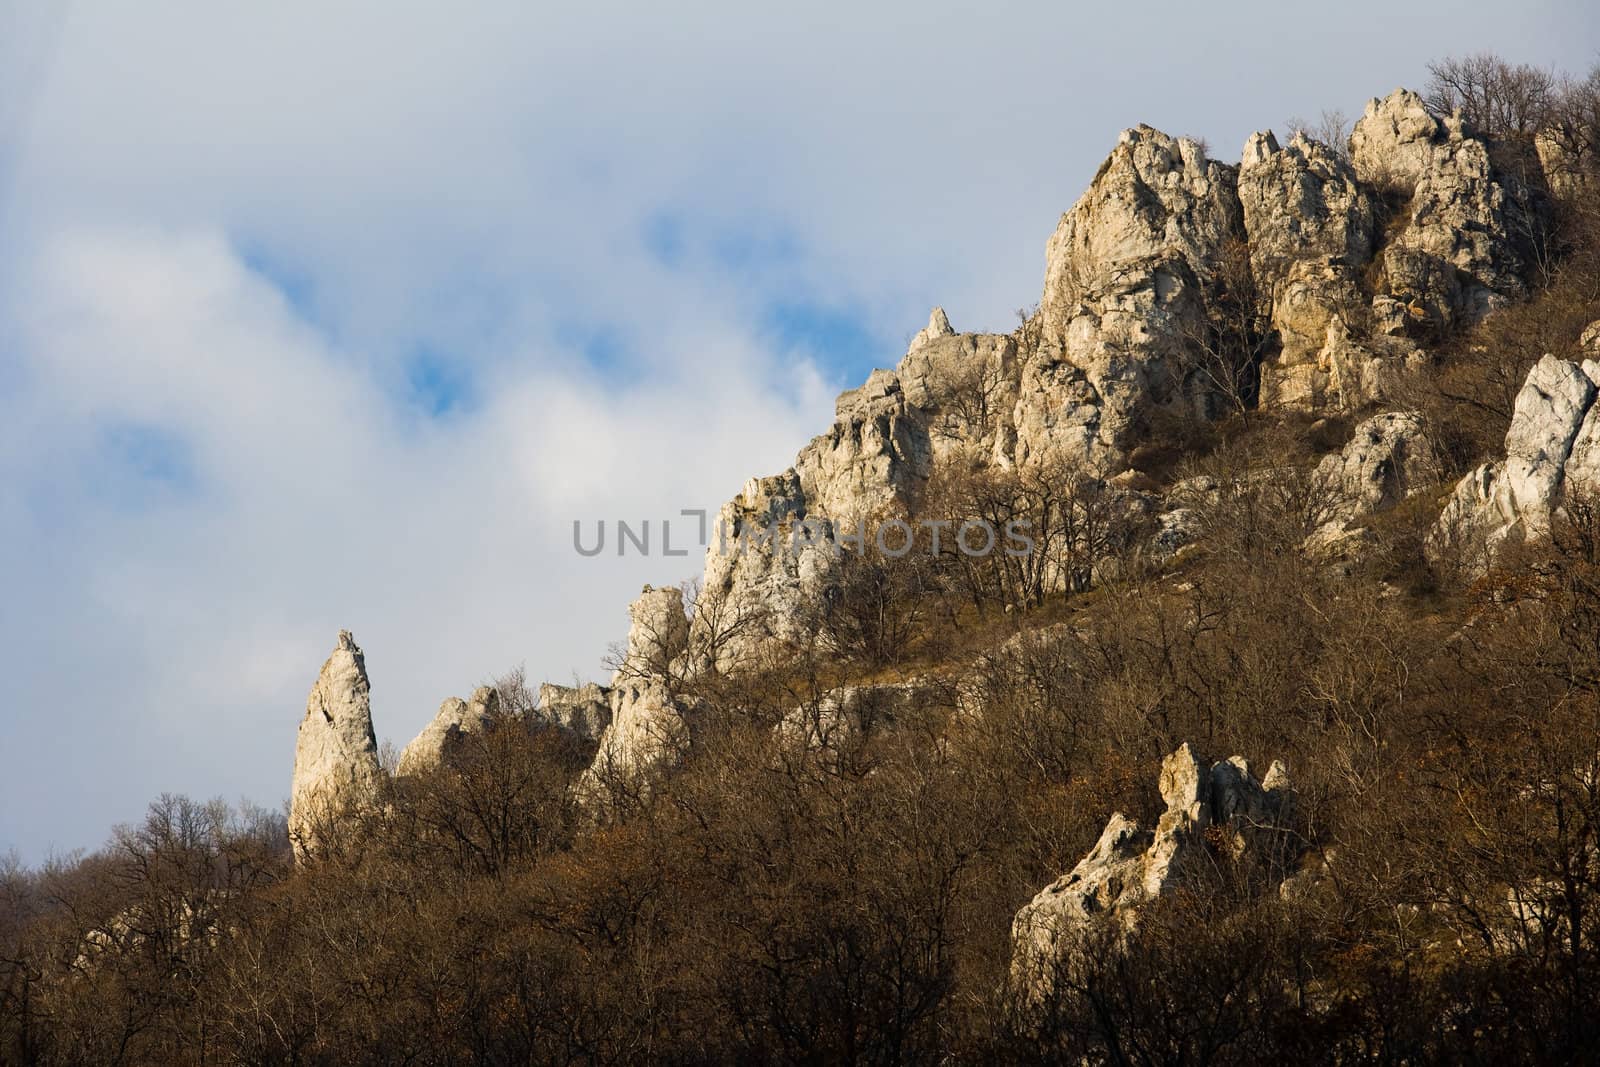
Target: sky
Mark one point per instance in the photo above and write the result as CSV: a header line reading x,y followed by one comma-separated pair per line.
x,y
337,315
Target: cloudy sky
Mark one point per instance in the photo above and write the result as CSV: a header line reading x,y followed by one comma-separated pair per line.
x,y
318,316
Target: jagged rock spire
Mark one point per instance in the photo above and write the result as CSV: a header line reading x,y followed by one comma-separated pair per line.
x,y
336,755
938,326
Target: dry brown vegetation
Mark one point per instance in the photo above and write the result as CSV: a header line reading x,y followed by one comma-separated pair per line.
x,y
773,904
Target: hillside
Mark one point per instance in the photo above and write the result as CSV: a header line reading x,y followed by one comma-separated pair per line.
x,y
1206,670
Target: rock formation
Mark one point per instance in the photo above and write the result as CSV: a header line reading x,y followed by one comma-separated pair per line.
x,y
658,635
456,721
1125,337
1392,143
1155,199
849,712
1123,302
1415,230
769,558
1568,161
1552,448
964,387
336,755
1130,866
1456,256
649,728
583,711
875,452
1312,228
1387,460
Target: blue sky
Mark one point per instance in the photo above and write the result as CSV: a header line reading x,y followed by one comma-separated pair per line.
x,y
337,315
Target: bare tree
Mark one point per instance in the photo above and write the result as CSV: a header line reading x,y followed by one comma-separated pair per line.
x,y
1331,128
1235,334
1504,101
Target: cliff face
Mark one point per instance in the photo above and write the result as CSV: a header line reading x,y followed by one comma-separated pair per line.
x,y
1175,288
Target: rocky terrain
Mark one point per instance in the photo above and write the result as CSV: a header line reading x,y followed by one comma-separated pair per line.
x,y
838,802
1121,343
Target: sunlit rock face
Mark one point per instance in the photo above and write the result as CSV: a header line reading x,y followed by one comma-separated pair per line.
x,y
1456,254
1552,450
1312,227
648,730
1124,300
584,710
336,755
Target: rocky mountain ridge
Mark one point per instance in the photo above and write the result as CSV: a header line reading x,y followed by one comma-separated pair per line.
x,y
1178,290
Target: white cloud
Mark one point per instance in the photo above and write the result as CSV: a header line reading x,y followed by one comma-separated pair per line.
x,y
197,616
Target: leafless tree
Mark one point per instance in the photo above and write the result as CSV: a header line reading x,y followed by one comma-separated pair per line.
x,y
1502,100
1235,333
1331,128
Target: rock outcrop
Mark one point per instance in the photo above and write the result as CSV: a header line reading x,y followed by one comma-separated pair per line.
x,y
1568,160
1391,146
769,559
336,754
1312,228
1123,305
658,635
456,721
964,387
1155,199
1552,449
1126,338
872,458
583,711
1387,460
1589,341
1457,255
649,727
1130,866
843,715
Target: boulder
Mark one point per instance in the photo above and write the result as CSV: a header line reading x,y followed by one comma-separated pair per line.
x,y
1386,461
336,754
